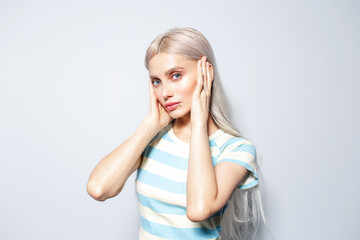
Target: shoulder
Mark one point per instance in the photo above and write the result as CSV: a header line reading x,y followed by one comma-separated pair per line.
x,y
163,134
230,143
161,138
240,151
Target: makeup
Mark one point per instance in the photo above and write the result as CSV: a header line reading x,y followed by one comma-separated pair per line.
x,y
172,107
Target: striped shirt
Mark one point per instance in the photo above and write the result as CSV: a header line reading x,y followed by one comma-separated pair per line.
x,y
161,185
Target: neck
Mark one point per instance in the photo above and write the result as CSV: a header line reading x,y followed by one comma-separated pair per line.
x,y
182,126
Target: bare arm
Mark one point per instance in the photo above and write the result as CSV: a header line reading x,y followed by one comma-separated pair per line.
x,y
111,173
208,188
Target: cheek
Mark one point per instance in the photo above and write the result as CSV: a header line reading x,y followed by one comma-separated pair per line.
x,y
187,88
158,95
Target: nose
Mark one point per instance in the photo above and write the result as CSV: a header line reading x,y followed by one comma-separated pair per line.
x,y
167,90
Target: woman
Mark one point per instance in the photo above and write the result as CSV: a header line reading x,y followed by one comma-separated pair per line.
x,y
193,164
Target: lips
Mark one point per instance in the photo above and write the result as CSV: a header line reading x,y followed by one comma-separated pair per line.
x,y
172,105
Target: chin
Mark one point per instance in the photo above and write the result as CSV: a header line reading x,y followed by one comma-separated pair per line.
x,y
178,113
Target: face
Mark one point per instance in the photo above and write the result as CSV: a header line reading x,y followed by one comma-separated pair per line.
x,y
174,80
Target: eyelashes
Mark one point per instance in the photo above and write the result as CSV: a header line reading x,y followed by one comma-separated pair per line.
x,y
177,74
156,82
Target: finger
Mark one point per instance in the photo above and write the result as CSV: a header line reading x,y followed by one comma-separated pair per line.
x,y
204,78
152,97
160,107
151,92
199,84
209,78
203,96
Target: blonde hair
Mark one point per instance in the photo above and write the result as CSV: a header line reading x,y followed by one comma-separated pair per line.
x,y
191,44
242,219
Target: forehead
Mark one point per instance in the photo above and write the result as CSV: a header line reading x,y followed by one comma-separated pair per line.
x,y
162,62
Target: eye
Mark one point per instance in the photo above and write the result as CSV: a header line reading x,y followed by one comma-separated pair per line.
x,y
156,82
177,74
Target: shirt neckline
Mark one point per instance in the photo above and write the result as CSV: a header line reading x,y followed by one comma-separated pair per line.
x,y
178,140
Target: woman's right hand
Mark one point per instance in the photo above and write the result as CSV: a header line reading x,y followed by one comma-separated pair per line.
x,y
157,114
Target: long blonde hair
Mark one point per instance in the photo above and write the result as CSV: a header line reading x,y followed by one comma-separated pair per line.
x,y
191,44
242,219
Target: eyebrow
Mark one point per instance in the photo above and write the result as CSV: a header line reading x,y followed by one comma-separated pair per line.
x,y
169,71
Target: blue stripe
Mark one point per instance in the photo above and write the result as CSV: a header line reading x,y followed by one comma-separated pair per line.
x,y
212,143
214,160
161,182
154,138
166,158
230,141
223,209
166,208
167,137
244,164
160,206
245,148
177,233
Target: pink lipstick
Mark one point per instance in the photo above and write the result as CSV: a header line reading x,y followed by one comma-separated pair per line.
x,y
172,105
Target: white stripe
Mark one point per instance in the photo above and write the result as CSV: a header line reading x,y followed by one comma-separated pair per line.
x,y
180,150
161,195
237,144
241,156
247,180
226,137
172,148
164,170
223,139
178,221
214,151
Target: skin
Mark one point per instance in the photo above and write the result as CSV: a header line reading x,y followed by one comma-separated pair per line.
x,y
208,187
177,86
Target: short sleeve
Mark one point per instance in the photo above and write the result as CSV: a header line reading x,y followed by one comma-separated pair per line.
x,y
241,151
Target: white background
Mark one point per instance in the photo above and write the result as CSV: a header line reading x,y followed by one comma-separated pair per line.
x,y
73,86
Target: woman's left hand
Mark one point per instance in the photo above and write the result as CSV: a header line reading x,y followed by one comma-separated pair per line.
x,y
201,97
